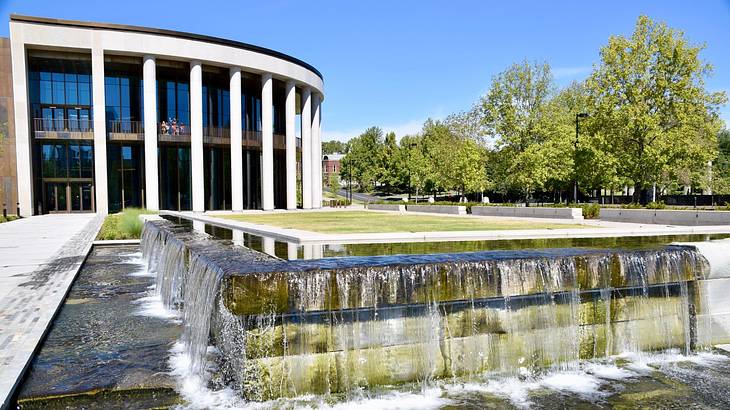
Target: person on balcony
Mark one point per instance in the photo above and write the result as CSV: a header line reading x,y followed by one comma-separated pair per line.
x,y
164,129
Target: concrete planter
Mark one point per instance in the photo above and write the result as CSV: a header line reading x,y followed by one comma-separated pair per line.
x,y
666,216
438,209
528,212
386,207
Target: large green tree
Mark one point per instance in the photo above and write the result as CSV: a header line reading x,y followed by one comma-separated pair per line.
x,y
650,104
532,145
363,160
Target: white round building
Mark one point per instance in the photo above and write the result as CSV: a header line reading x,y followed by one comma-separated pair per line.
x,y
110,116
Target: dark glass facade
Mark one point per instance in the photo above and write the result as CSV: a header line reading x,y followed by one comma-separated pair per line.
x,y
175,178
173,93
251,102
67,175
216,99
251,179
124,108
125,168
123,93
217,163
173,106
59,92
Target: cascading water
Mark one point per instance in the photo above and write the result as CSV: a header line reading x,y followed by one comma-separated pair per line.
x,y
329,326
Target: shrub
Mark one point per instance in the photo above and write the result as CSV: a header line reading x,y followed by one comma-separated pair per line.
x,y
591,211
656,205
631,206
124,225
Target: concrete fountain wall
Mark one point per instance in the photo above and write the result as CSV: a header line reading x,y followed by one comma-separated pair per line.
x,y
336,325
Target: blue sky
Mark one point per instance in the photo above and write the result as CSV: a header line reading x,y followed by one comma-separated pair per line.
x,y
395,63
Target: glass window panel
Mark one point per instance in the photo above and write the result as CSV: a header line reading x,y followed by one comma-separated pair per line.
x,y
74,161
84,120
84,78
71,78
57,77
44,75
125,95
71,94
60,190
59,157
73,120
87,160
58,119
111,80
84,94
111,95
46,91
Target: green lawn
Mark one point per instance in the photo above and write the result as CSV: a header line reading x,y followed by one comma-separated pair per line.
x,y
374,222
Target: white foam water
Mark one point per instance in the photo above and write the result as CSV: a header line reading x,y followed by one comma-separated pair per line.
x,y
152,306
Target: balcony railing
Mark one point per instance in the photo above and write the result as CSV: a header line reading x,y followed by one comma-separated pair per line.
x,y
217,135
65,128
125,130
251,138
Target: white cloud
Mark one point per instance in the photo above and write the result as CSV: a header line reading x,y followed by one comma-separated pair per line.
x,y
407,128
570,72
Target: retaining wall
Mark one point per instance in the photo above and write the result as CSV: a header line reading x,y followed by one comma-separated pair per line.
x,y
666,216
438,209
528,212
386,207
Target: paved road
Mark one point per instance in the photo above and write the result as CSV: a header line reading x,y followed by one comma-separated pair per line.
x,y
359,196
39,259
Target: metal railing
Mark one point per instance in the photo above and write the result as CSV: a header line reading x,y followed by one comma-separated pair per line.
x,y
125,127
217,132
63,124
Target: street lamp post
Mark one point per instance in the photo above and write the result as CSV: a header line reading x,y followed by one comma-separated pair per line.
x,y
575,157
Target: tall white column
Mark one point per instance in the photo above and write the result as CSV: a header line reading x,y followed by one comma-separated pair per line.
x,y
196,135
267,143
23,151
291,146
236,153
99,111
306,148
151,192
316,156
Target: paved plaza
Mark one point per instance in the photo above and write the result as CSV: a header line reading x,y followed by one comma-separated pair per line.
x,y
39,259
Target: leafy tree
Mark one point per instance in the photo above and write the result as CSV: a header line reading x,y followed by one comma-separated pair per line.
x,y
363,160
417,170
334,183
469,172
333,147
392,163
650,104
532,145
720,181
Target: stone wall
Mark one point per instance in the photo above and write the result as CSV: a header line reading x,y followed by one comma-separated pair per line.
x,y
528,212
666,216
8,173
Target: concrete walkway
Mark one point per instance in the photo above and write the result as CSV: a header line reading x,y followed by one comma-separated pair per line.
x,y
39,259
588,229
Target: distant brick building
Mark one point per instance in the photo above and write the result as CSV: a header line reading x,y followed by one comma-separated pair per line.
x,y
331,165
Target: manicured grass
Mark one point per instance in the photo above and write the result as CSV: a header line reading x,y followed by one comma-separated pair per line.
x,y
124,225
374,222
